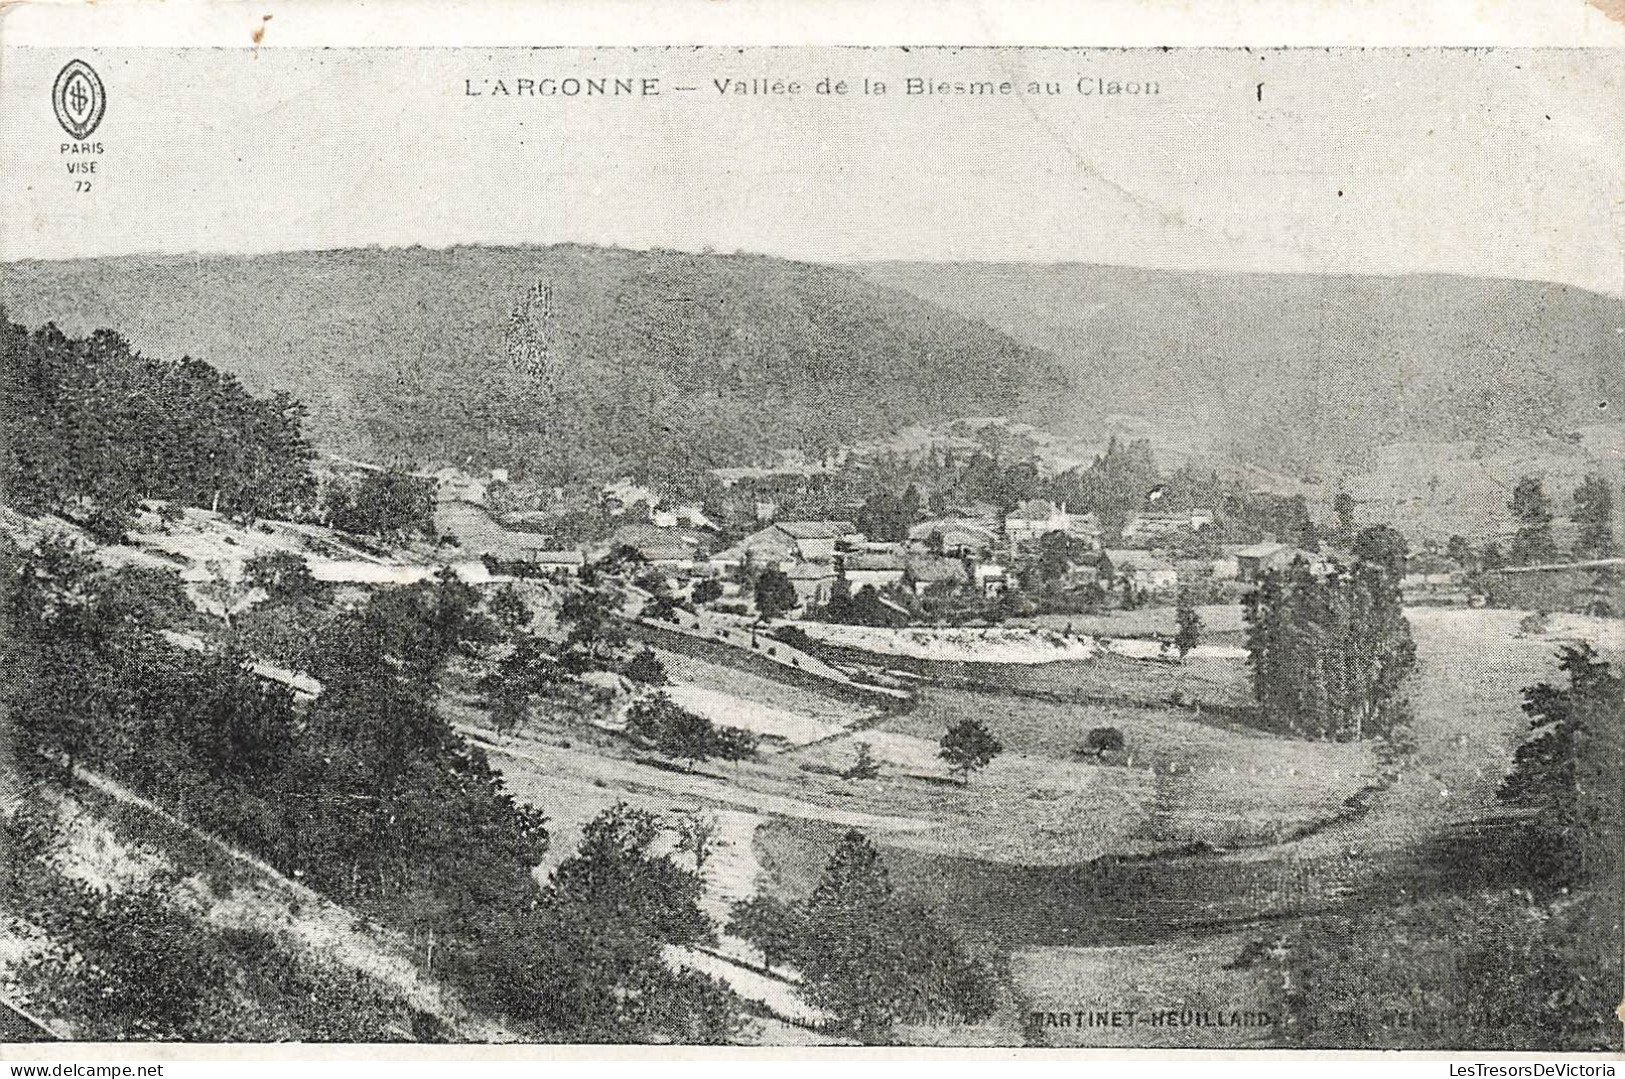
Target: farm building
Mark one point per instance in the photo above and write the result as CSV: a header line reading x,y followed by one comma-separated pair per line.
x,y
549,561
475,530
955,537
1254,561
798,541
814,582
873,569
1144,570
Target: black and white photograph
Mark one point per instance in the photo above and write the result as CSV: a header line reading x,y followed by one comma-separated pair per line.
x,y
812,547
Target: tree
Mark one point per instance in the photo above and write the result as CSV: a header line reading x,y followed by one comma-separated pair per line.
x,y
1459,551
770,925
1569,770
673,730
1343,505
1104,740
875,960
706,591
285,578
774,594
696,833
509,610
1189,634
1383,547
968,747
1329,653
864,765
1532,543
391,505
1594,514
646,668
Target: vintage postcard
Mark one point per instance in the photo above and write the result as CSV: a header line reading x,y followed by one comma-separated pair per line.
x,y
830,546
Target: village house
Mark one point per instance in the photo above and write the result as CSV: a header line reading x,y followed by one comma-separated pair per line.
x,y
553,561
992,579
624,494
1257,559
814,582
956,537
1144,529
878,570
798,541
926,570
669,549
1037,518
1142,569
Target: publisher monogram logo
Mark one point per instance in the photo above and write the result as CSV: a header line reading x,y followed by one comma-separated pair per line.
x,y
79,98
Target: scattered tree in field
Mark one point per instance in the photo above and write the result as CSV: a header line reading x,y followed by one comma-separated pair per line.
x,y
968,747
696,835
774,594
646,668
706,591
1570,770
1532,543
1594,514
1189,634
771,926
1491,557
864,765
595,639
1459,551
1104,740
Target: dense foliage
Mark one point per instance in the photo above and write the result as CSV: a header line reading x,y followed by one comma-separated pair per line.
x,y
1329,652
90,419
366,793
871,958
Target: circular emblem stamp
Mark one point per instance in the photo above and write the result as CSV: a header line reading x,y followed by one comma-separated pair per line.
x,y
79,98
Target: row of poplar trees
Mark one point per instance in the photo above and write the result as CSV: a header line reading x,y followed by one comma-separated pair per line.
x,y
1329,647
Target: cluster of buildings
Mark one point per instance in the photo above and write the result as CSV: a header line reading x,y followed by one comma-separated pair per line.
x,y
974,549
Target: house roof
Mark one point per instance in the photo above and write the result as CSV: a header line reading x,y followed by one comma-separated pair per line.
x,y
949,525
1129,558
931,569
1261,550
810,571
877,561
816,529
1036,509
561,558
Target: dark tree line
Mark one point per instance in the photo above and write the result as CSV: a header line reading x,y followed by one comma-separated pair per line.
x,y
90,419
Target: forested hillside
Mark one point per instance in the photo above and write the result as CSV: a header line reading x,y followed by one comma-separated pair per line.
x,y
567,360
1294,371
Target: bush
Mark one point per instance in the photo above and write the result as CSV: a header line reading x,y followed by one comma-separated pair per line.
x,y
1104,740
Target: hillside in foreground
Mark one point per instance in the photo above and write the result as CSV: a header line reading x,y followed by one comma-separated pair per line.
x,y
572,360
1299,371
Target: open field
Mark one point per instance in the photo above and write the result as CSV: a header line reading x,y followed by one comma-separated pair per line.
x,y
1221,623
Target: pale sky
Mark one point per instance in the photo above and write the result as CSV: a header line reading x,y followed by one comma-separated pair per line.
x,y
1502,162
